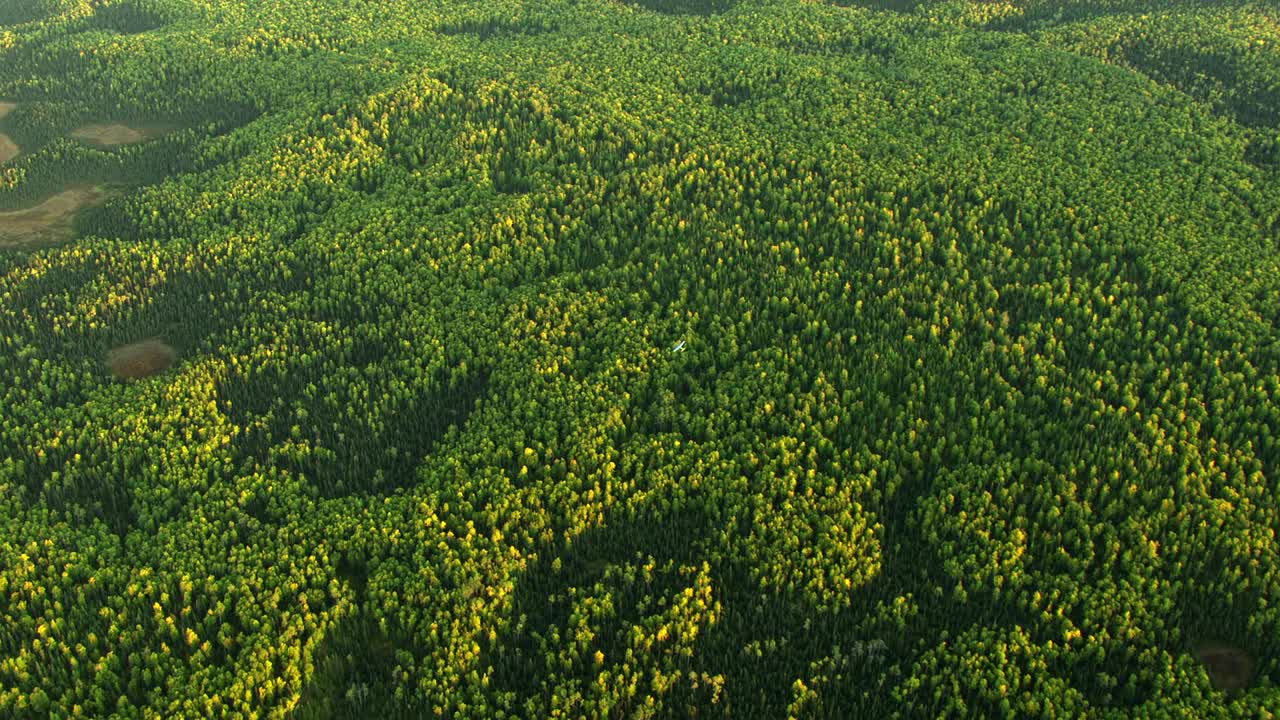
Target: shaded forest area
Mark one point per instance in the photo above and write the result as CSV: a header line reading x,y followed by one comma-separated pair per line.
x,y
639,358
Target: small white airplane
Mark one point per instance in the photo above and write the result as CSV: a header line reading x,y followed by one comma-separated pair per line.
x,y
679,347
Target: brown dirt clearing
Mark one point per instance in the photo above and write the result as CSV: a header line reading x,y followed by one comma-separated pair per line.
x,y
1230,668
49,222
141,359
8,148
117,134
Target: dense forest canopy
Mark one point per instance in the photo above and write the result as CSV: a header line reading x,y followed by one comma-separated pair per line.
x,y
639,358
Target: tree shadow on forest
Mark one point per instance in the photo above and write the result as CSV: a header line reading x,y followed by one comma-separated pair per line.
x,y
878,45
1205,73
127,17
902,6
122,349
1045,15
685,7
373,455
1216,630
128,351
354,675
541,596
1262,150
1208,74
730,88
784,627
355,664
17,13
85,493
801,635
514,168
498,27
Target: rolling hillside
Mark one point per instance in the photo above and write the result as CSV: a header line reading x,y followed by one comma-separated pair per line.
x,y
639,358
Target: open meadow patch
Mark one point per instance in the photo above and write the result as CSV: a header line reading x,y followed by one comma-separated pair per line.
x,y
8,148
110,135
140,360
51,221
